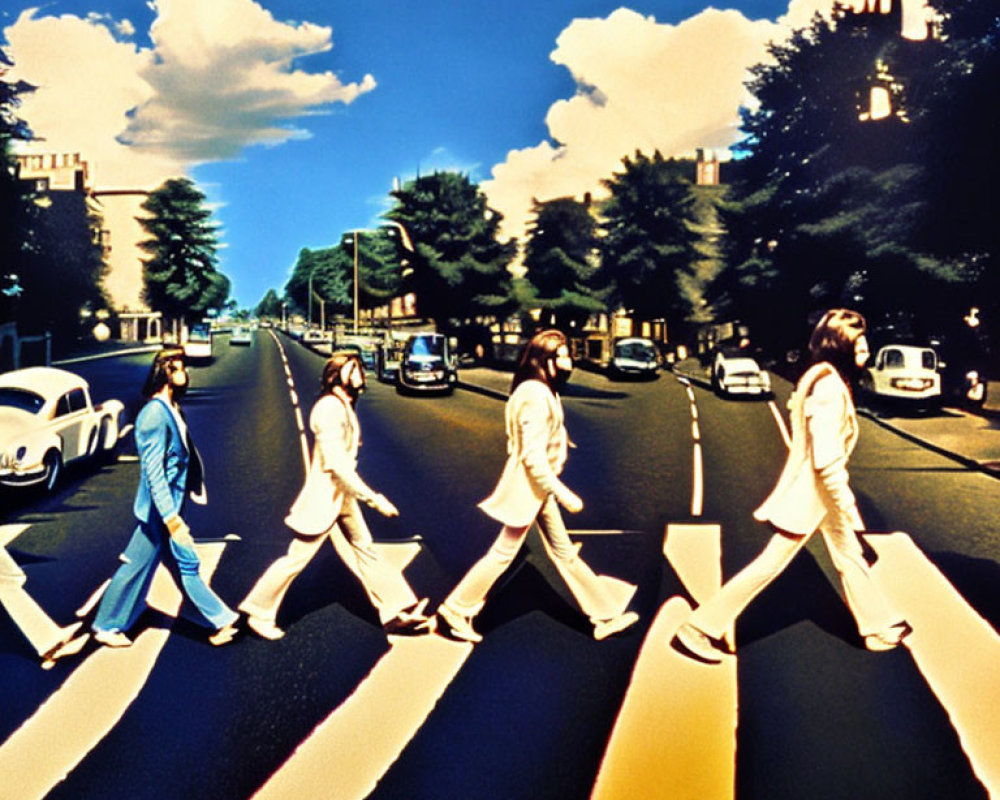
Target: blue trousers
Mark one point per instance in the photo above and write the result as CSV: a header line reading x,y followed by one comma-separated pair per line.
x,y
125,598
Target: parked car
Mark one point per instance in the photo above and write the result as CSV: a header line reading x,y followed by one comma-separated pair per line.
x,y
314,336
737,373
904,373
634,357
198,346
241,336
47,420
427,365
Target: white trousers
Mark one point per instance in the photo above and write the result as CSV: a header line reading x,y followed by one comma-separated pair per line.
x,y
385,585
600,597
871,611
37,627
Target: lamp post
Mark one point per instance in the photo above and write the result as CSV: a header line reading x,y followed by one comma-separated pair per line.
x,y
407,244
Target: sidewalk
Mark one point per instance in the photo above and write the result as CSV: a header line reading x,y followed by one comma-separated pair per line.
x,y
971,439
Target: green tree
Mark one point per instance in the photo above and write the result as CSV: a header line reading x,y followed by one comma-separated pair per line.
x,y
380,258
16,209
331,270
269,305
562,259
961,125
180,274
649,241
459,267
831,199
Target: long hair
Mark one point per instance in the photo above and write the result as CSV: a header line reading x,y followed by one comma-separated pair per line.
x,y
333,369
534,360
158,375
834,337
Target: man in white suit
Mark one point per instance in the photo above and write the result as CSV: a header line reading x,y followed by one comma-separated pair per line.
x,y
330,498
812,493
530,489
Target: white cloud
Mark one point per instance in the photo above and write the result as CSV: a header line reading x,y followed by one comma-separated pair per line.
x,y
220,76
641,85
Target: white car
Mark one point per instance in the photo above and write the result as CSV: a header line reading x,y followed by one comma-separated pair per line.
x,y
739,375
47,420
198,346
241,336
315,336
904,372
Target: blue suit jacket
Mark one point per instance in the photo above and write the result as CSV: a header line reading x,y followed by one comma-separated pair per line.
x,y
170,466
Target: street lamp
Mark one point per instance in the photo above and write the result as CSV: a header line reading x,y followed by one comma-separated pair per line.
x,y
407,244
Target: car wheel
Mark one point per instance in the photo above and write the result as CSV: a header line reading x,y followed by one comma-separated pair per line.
x,y
53,469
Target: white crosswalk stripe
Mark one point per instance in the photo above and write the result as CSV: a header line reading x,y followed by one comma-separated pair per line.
x,y
92,700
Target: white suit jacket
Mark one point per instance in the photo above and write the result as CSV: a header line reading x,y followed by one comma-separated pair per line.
x,y
536,452
824,432
332,477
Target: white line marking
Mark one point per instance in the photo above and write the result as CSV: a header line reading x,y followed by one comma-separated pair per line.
x,y
347,753
957,651
695,431
698,490
780,421
675,735
8,533
89,704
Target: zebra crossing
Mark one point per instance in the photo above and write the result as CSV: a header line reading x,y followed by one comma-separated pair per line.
x,y
676,730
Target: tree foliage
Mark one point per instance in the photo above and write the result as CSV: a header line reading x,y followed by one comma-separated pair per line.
x,y
649,241
832,203
180,274
269,305
331,271
459,266
562,259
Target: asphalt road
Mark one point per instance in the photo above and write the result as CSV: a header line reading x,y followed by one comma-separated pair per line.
x,y
530,710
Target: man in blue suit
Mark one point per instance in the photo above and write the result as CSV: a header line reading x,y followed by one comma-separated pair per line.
x,y
170,470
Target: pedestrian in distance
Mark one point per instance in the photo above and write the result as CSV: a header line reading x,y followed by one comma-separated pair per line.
x,y
51,641
531,490
812,493
170,470
330,499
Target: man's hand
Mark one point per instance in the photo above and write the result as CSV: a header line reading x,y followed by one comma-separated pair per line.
x,y
381,504
179,531
570,501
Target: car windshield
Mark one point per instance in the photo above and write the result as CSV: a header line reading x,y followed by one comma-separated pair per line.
x,y
427,346
21,399
200,333
640,351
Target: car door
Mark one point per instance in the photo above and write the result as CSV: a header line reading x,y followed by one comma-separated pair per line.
x,y
70,417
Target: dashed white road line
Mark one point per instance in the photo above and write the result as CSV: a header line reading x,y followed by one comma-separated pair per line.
x,y
299,421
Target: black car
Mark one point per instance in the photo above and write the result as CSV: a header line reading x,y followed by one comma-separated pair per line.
x,y
427,365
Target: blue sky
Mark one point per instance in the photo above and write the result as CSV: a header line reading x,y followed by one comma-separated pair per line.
x,y
295,116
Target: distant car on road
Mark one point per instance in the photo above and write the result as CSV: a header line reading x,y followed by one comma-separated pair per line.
x,y
198,346
634,357
427,365
47,420
904,373
737,373
241,336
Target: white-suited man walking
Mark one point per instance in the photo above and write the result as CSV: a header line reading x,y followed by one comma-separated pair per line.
x,y
530,489
331,498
